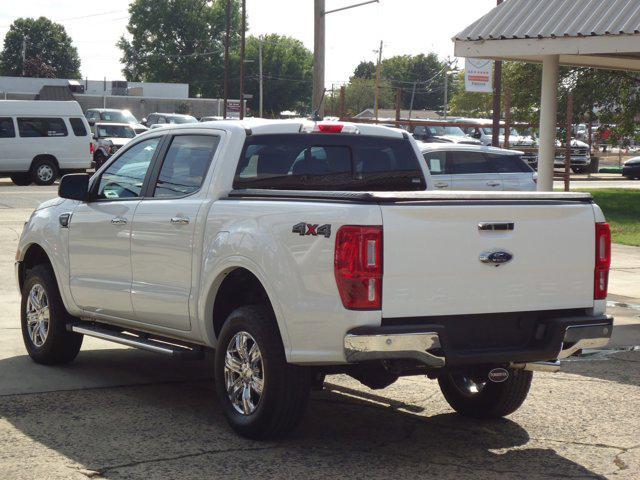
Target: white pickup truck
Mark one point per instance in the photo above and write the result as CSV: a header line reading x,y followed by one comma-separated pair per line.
x,y
297,249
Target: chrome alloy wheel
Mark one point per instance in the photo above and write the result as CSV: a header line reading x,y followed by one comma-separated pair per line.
x,y
37,311
243,373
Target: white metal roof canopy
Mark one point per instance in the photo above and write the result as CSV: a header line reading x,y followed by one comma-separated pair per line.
x,y
590,33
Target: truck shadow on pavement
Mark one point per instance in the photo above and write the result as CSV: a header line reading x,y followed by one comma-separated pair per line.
x,y
173,428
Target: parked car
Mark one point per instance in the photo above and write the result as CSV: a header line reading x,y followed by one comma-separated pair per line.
x,y
468,167
484,135
580,156
631,168
155,120
112,115
211,119
441,134
39,140
108,138
297,249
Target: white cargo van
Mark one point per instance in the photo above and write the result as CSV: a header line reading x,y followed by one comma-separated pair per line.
x,y
40,140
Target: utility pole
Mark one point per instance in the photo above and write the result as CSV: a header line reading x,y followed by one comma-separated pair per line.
x,y
375,100
243,26
24,53
446,92
497,89
413,95
226,58
318,56
319,14
260,71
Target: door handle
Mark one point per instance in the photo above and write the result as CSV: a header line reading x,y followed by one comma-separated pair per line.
x,y
179,220
442,185
119,221
493,184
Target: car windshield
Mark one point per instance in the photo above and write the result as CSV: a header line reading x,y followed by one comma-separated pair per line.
x,y
453,131
118,116
120,131
489,131
182,119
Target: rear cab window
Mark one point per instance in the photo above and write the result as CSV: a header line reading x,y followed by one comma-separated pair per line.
x,y
329,162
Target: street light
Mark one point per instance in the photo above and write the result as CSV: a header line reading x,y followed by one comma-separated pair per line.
x,y
319,13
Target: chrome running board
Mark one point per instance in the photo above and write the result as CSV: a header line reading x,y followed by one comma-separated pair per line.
x,y
137,340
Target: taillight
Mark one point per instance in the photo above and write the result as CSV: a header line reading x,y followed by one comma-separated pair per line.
x,y
603,261
358,266
91,148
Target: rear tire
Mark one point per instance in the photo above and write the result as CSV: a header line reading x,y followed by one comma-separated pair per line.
x,y
276,406
21,179
44,320
99,159
488,399
44,172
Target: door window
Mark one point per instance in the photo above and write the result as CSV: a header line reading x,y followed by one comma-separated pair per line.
x,y
462,162
437,162
509,163
7,129
124,177
77,125
185,165
42,127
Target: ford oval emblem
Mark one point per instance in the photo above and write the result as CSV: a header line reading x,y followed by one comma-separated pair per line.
x,y
495,257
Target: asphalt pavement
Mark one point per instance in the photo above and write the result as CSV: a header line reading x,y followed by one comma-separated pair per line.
x,y
120,413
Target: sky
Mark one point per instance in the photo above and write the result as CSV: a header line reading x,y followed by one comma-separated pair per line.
x,y
404,26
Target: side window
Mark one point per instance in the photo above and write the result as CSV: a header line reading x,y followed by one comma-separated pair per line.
x,y
185,165
42,127
437,162
508,163
125,176
77,125
161,120
7,129
468,162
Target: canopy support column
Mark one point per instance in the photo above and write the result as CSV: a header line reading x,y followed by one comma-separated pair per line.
x,y
548,116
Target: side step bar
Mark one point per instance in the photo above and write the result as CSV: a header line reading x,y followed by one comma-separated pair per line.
x,y
137,341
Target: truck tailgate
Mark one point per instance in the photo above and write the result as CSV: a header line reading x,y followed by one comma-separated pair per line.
x,y
432,251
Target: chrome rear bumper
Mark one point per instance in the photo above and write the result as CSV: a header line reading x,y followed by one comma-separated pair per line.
x,y
415,346
429,348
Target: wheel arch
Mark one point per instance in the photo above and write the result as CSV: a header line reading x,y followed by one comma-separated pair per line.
x,y
235,285
34,254
45,156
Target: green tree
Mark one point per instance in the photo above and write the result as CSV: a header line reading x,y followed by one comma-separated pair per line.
x,y
49,51
287,67
366,70
360,95
179,41
402,71
427,71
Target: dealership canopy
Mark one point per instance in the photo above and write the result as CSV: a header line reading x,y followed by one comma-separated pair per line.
x,y
591,33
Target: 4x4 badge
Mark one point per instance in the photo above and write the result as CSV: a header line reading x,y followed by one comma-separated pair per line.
x,y
304,228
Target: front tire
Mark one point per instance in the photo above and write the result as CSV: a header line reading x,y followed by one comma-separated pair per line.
x,y
486,399
44,320
262,396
